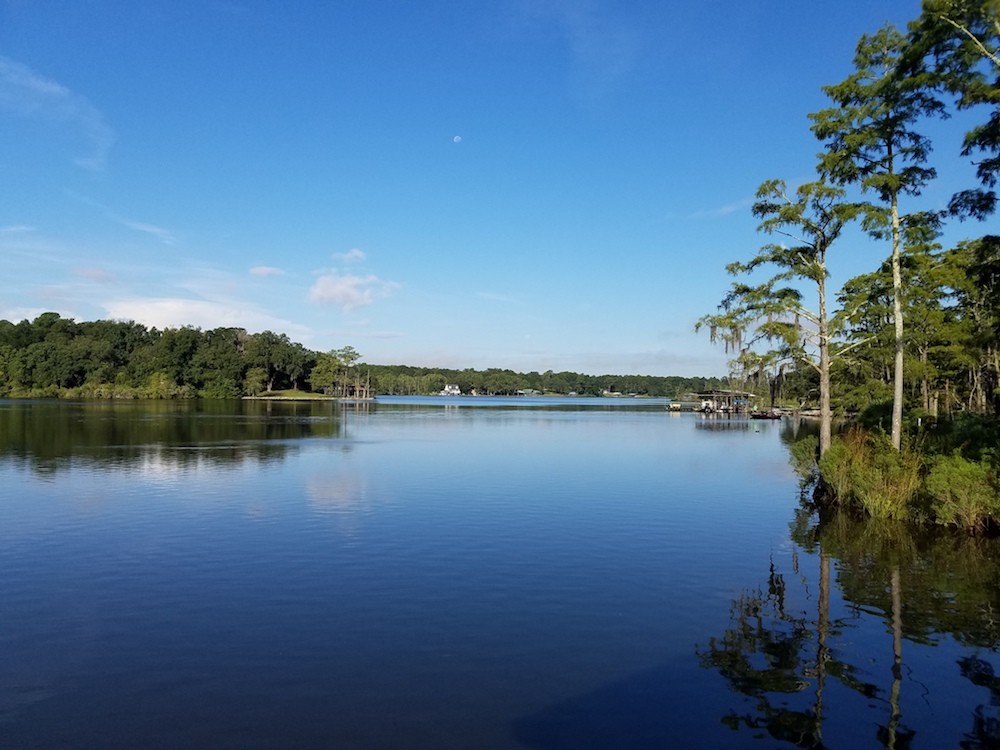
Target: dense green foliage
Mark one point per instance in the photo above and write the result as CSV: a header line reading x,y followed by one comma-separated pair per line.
x,y
55,356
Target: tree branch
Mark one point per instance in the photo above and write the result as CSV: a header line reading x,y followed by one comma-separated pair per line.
x,y
991,56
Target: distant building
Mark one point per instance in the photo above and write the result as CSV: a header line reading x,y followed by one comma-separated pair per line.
x,y
451,390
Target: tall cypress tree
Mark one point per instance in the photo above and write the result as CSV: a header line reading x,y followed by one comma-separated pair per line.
x,y
808,222
871,143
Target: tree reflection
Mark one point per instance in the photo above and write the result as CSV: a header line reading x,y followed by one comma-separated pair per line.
x,y
762,655
924,588
49,436
985,734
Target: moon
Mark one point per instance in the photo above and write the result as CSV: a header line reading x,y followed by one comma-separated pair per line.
x,y
457,139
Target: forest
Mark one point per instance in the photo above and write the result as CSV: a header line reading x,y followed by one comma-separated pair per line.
x,y
909,352
53,356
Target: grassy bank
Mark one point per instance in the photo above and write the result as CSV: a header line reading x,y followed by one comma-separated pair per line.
x,y
948,474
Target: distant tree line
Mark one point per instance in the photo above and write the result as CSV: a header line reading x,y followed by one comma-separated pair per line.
x,y
403,380
53,356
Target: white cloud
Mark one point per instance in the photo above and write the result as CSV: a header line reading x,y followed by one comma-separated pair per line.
x,y
174,312
17,314
266,271
354,255
349,292
16,229
30,95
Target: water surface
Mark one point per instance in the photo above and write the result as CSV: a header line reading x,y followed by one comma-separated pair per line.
x,y
463,573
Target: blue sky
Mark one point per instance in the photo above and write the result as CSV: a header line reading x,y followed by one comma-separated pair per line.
x,y
532,184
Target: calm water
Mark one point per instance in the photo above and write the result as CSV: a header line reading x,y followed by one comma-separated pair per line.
x,y
435,573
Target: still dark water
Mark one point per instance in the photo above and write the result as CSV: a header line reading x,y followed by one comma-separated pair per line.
x,y
468,573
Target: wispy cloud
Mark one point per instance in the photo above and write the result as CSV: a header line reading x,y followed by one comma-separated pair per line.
x,y
497,297
726,210
29,94
603,46
349,292
16,229
354,255
163,235
96,275
266,271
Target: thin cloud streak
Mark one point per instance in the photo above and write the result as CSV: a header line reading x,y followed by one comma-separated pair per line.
x,y
163,235
496,297
266,271
96,275
726,210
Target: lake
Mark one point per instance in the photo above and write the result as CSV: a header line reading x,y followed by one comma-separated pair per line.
x,y
466,573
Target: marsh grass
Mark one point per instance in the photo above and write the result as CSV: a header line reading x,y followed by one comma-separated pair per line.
x,y
862,469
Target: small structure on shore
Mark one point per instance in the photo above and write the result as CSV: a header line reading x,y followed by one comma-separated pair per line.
x,y
726,402
346,391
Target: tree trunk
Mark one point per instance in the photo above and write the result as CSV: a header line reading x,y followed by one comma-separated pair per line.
x,y
925,388
897,309
825,415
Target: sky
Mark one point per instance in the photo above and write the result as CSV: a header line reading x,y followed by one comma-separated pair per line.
x,y
525,184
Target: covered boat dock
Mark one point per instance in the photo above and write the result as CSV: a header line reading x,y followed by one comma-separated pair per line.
x,y
726,402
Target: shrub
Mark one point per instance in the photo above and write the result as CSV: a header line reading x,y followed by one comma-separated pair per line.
x,y
963,493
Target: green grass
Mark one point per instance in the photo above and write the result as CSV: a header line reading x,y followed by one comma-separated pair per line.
x,y
296,394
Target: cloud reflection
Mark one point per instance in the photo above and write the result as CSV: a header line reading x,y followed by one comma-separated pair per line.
x,y
344,499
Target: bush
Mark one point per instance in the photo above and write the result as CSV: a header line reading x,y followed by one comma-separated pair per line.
x,y
803,456
835,471
160,385
963,493
972,435
221,388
